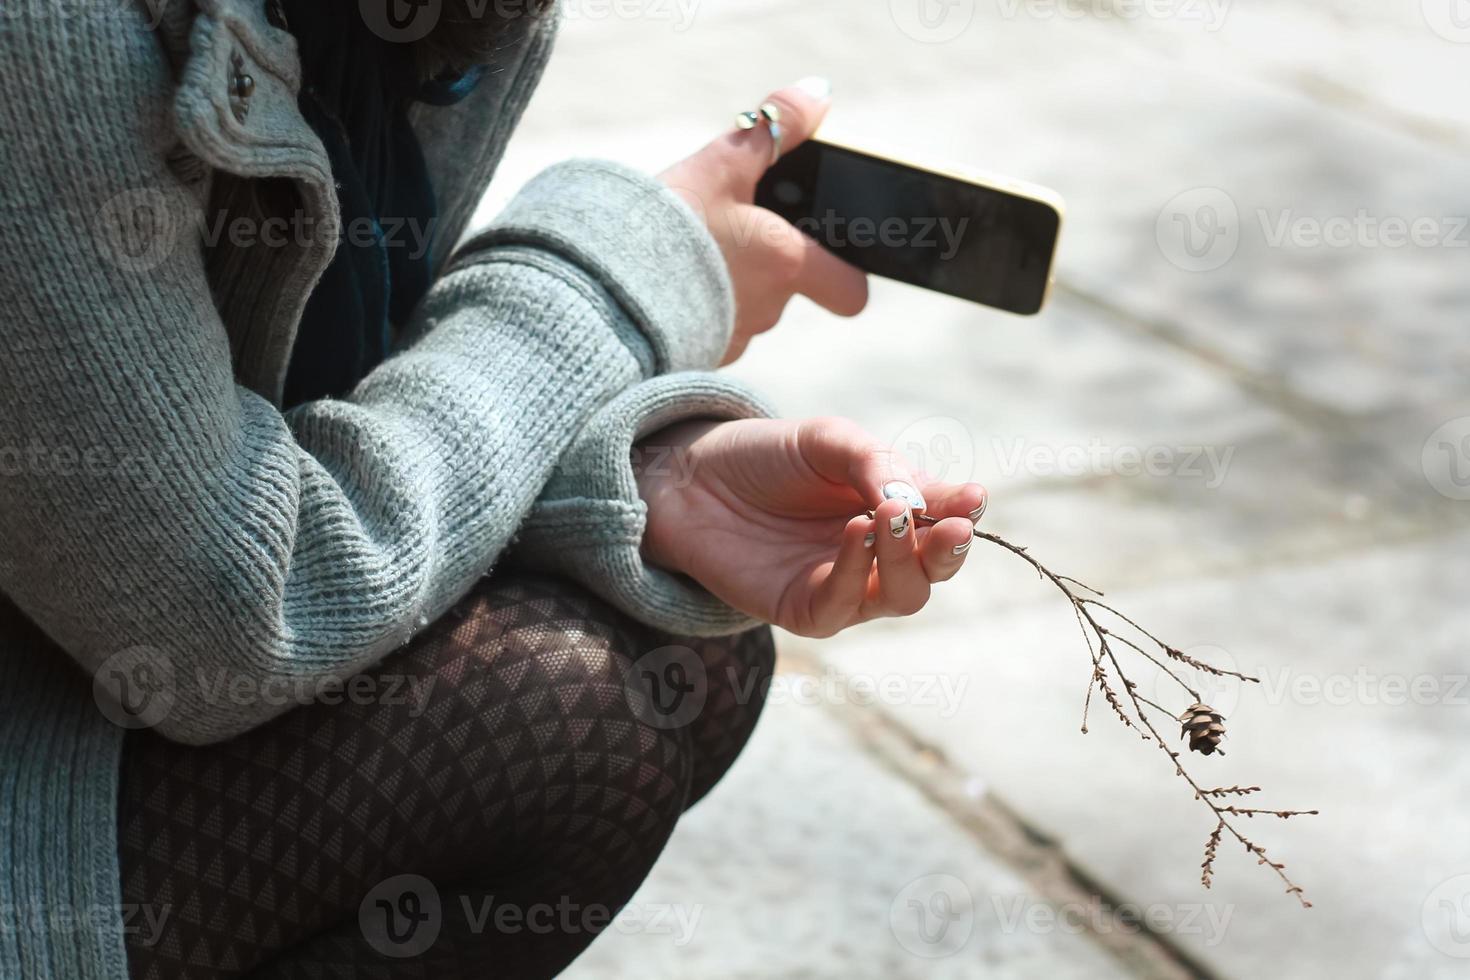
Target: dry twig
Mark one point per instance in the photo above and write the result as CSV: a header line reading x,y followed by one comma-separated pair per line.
x,y
1202,723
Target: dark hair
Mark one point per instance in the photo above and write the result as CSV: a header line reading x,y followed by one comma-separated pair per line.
x,y
472,32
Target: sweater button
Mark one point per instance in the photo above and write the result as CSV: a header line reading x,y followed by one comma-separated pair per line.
x,y
242,87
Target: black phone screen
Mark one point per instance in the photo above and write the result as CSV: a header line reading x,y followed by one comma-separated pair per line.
x,y
918,227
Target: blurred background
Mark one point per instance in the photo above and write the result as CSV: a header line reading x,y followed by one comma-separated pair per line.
x,y
1245,414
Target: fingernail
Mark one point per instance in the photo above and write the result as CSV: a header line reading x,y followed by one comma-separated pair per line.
x,y
898,490
816,87
871,539
979,512
899,526
960,549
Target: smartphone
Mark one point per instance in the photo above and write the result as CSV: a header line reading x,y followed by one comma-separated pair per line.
x,y
985,239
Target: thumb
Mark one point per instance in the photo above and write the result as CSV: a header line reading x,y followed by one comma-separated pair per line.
x,y
842,452
802,106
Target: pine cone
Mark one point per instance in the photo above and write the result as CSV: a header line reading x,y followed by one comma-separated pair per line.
x,y
1204,726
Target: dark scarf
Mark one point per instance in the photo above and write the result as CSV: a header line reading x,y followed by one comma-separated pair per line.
x,y
356,92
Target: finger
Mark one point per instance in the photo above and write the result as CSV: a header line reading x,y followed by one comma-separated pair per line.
x,y
956,500
803,106
841,451
828,281
844,453
838,598
903,588
943,550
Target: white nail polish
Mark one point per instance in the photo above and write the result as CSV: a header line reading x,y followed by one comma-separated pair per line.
x,y
979,512
816,87
960,549
907,492
899,526
870,539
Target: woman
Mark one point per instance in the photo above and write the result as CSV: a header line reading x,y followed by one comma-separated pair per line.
x,y
266,433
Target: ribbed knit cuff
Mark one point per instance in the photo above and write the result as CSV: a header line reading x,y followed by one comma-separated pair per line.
x,y
642,243
589,521
61,911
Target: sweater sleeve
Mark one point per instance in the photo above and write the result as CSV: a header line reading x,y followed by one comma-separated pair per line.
x,y
589,522
163,524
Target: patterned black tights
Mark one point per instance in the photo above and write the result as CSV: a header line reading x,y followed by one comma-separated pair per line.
x,y
503,791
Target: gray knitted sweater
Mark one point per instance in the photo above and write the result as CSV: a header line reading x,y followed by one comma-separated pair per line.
x,y
183,544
